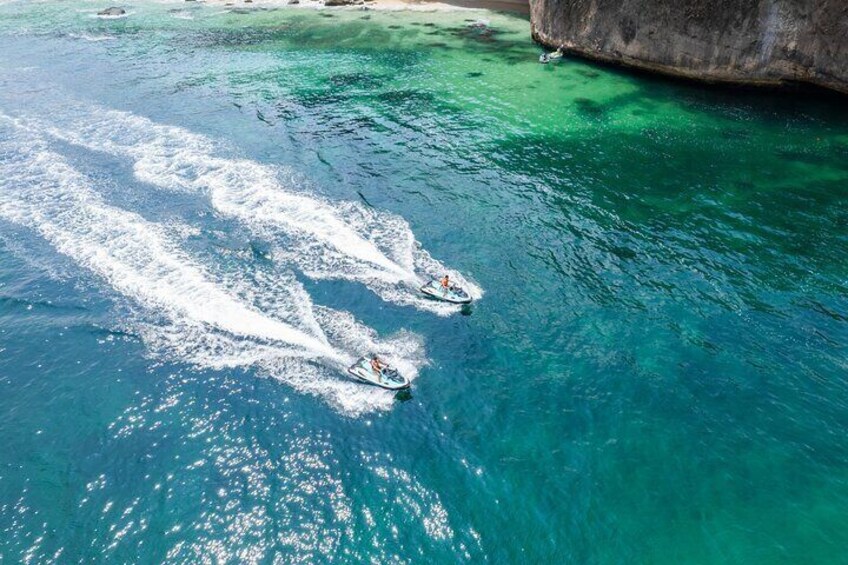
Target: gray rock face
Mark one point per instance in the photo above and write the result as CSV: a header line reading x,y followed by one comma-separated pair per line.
x,y
112,12
768,42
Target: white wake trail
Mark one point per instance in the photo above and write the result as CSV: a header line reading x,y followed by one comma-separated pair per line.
x,y
209,324
322,239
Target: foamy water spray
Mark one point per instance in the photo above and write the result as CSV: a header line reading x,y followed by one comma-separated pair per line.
x,y
322,239
210,324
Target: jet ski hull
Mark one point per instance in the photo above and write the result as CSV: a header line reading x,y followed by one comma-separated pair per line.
x,y
389,379
454,295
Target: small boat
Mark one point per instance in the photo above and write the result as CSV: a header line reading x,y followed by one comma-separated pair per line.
x,y
452,294
388,378
545,58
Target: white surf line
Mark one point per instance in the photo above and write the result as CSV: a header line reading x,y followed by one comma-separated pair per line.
x,y
325,241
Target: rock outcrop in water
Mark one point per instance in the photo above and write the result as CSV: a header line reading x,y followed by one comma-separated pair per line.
x,y
112,12
757,42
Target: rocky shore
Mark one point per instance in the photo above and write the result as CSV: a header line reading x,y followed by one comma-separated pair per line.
x,y
414,5
749,42
745,42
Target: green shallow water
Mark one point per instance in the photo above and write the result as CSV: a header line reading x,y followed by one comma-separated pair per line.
x,y
655,372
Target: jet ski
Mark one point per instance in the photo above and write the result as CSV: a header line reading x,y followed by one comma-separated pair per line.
x,y
452,294
388,378
545,58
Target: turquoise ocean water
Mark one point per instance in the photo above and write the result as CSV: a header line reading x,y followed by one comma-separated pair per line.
x,y
206,214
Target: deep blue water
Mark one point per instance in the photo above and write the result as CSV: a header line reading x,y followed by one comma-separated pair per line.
x,y
203,220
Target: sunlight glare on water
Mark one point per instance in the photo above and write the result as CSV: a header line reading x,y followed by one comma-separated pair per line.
x,y
206,214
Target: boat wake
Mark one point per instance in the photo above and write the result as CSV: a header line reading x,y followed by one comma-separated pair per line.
x,y
184,310
321,239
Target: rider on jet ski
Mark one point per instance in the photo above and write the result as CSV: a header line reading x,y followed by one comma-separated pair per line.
x,y
378,365
446,284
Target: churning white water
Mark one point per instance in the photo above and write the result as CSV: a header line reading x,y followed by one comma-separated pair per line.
x,y
209,322
322,239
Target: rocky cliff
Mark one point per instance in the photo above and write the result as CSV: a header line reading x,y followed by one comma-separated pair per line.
x,y
769,42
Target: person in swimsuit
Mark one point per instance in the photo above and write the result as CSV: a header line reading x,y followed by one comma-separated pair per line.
x,y
378,366
445,284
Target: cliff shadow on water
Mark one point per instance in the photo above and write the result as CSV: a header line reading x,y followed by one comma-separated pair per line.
x,y
710,162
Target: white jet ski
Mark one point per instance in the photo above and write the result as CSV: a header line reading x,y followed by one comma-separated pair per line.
x,y
453,293
388,378
545,58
